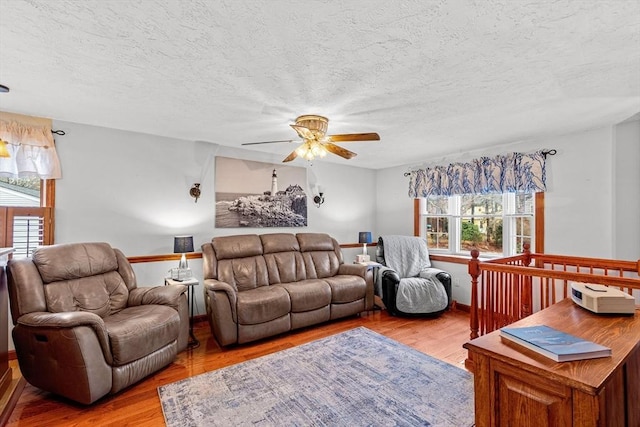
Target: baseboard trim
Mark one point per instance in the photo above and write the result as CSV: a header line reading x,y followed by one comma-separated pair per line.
x,y
10,400
462,307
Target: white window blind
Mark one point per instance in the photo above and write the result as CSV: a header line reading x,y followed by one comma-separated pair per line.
x,y
28,234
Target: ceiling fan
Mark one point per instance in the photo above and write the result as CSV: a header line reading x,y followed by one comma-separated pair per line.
x,y
316,143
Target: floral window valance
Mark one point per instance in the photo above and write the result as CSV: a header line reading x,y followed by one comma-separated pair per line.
x,y
30,149
505,173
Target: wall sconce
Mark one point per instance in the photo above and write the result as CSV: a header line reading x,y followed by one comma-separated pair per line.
x,y
195,191
319,199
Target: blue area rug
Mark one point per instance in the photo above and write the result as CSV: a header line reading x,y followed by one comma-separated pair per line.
x,y
356,378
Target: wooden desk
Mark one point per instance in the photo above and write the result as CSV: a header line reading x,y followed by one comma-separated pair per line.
x,y
517,387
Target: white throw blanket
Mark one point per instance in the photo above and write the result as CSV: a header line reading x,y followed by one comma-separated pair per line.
x,y
408,256
419,290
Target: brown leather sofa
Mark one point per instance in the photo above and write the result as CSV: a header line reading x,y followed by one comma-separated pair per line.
x,y
256,286
83,329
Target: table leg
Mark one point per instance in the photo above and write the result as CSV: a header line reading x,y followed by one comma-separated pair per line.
x,y
193,342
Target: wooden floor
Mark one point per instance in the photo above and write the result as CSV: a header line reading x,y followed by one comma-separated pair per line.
x,y
139,405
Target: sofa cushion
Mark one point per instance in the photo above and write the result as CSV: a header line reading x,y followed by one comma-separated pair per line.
x,y
80,260
137,331
321,254
241,246
102,294
284,267
283,258
345,288
308,295
279,242
262,305
320,264
244,273
315,242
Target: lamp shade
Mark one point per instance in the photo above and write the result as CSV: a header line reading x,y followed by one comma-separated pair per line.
x,y
182,244
364,237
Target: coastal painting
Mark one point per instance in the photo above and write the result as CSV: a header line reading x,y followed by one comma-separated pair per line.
x,y
257,194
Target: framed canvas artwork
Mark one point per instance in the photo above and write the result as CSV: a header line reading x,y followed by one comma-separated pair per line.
x,y
259,194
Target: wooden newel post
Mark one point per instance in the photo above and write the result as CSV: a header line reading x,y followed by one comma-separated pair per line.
x,y
474,272
527,294
527,254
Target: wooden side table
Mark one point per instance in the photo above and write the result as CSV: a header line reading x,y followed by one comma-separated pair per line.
x,y
516,387
190,284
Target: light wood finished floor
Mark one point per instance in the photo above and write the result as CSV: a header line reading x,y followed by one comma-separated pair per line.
x,y
139,405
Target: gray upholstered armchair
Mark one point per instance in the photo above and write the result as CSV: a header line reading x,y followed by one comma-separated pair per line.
x,y
83,329
407,283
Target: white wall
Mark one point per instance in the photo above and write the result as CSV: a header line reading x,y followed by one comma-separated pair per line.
x,y
578,203
394,207
626,190
580,206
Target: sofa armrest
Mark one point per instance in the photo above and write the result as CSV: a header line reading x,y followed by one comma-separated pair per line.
x,y
353,270
62,320
366,273
171,296
69,320
390,282
217,285
160,295
221,301
445,279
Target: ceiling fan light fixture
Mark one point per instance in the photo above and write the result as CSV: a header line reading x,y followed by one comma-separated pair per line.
x,y
312,130
316,124
302,150
318,149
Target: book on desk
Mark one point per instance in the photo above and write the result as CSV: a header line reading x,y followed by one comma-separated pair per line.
x,y
554,344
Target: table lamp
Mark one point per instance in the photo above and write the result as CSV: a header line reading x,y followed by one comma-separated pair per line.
x,y
182,245
364,237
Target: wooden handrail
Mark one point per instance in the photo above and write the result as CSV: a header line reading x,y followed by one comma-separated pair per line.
x,y
506,289
626,282
610,264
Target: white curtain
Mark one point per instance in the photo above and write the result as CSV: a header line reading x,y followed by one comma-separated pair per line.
x,y
32,151
505,173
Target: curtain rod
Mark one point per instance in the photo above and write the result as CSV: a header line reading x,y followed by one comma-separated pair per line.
x,y
545,153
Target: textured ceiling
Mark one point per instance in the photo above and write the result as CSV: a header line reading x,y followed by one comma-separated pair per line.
x,y
433,78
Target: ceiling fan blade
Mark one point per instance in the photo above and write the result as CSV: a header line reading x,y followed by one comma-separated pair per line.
x,y
267,142
353,137
302,131
290,157
342,152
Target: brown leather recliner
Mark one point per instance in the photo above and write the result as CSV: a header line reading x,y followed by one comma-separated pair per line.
x,y
83,329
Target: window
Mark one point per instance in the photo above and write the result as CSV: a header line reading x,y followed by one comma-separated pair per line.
x,y
26,211
495,224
